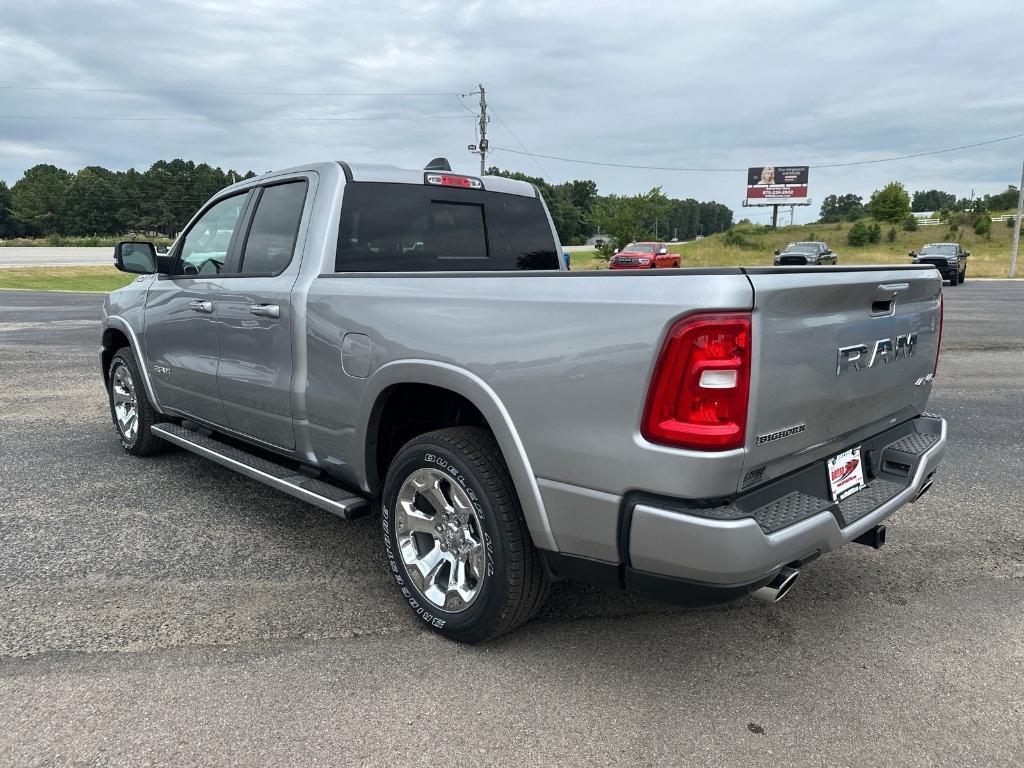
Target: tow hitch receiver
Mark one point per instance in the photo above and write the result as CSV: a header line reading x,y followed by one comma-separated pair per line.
x,y
873,537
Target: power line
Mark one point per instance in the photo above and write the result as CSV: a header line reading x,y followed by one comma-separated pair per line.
x,y
205,119
618,165
738,170
522,146
214,93
921,154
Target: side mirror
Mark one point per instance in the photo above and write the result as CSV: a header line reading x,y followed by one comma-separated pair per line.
x,y
912,254
828,251
966,254
662,251
161,249
135,256
777,251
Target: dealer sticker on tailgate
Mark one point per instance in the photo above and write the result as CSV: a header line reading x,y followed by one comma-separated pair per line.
x,y
845,474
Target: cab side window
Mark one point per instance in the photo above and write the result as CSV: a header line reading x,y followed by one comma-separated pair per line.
x,y
204,250
275,226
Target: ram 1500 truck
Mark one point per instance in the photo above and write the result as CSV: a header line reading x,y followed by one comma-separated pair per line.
x,y
364,337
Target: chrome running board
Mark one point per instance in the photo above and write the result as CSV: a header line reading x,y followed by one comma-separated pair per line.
x,y
285,479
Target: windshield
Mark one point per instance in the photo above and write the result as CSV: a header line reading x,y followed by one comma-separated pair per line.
x,y
639,248
802,248
942,250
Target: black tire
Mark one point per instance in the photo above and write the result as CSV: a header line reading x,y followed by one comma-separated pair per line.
x,y
142,442
514,585
963,276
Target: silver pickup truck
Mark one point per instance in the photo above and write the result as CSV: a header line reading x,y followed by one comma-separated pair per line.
x,y
364,337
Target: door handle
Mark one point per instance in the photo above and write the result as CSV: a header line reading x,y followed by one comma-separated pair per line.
x,y
201,306
265,310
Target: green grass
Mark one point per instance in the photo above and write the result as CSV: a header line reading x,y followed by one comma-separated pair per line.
x,y
98,279
86,241
989,257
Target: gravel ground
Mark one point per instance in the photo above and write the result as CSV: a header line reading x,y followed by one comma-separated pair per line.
x,y
167,612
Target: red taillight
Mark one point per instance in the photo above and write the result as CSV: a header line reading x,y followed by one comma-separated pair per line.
x,y
698,396
938,347
450,180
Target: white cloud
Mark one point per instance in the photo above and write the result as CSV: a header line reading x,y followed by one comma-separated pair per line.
x,y
725,84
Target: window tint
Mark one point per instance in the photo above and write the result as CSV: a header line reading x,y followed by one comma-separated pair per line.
x,y
410,228
275,225
205,248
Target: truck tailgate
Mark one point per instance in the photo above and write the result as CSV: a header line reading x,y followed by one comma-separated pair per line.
x,y
834,361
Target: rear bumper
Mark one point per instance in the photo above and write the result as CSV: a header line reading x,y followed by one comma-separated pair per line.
x,y
790,520
712,553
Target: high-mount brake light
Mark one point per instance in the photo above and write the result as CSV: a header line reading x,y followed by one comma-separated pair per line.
x,y
451,180
700,390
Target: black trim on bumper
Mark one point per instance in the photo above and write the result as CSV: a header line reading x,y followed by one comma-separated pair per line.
x,y
694,594
667,589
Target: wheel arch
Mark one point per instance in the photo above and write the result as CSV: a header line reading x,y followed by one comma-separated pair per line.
x,y
462,386
113,340
118,333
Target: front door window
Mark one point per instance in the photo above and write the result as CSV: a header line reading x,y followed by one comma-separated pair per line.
x,y
204,251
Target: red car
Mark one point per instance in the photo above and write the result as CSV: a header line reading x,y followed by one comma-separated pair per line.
x,y
644,256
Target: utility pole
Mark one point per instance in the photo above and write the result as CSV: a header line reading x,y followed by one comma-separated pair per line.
x,y
1016,225
482,121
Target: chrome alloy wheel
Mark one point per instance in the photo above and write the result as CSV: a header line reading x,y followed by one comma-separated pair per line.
x,y
440,538
126,411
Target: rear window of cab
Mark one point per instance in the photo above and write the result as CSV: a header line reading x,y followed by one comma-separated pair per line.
x,y
410,228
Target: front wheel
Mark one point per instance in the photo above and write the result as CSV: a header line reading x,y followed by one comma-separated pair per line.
x,y
455,537
963,276
130,409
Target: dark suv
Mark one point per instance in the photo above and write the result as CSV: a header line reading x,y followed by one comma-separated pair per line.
x,y
949,258
804,253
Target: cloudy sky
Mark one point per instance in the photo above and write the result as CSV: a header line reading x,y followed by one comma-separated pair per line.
x,y
678,84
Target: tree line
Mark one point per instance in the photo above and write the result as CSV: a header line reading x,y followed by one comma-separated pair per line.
x,y
894,203
580,213
48,200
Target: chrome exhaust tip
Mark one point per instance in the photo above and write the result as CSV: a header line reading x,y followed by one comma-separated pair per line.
x,y
777,588
924,489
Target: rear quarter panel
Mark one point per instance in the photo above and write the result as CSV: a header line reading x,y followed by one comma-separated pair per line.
x,y
569,355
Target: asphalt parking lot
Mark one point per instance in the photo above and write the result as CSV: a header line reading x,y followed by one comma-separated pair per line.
x,y
168,612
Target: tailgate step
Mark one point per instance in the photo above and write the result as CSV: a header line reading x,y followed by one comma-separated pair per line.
x,y
327,496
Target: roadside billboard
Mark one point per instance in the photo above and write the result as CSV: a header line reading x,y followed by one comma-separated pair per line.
x,y
777,185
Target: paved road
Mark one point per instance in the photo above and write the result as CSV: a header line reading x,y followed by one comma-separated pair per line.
x,y
167,612
55,257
